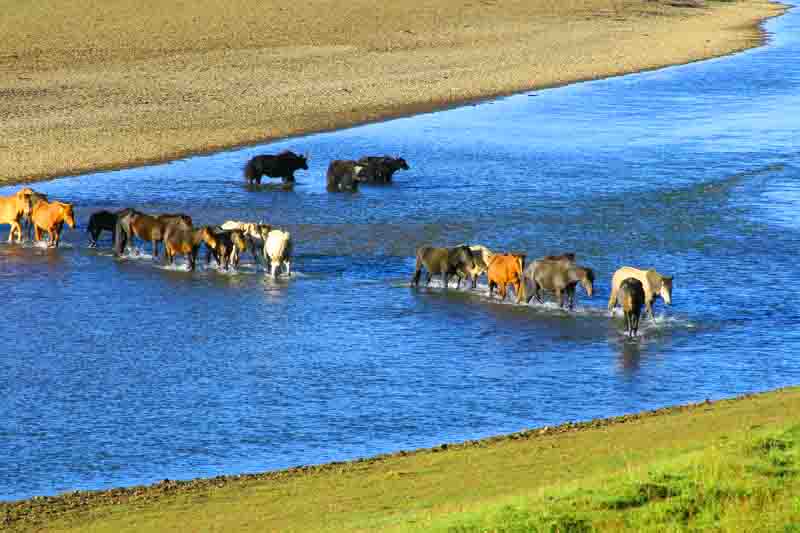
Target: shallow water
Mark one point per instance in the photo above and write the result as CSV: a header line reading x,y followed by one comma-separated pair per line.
x,y
119,372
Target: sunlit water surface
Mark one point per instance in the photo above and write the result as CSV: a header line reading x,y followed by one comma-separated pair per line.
x,y
118,372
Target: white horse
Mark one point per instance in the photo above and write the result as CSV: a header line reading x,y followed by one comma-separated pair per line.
x,y
278,247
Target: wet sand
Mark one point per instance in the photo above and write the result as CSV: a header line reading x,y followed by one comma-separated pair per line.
x,y
100,85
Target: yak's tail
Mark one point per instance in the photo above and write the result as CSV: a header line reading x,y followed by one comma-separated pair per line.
x,y
250,171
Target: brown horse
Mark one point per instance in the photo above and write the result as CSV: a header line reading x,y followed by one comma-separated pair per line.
x,y
186,241
561,277
152,228
12,209
50,217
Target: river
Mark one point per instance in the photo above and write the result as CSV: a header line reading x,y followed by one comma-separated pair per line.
x,y
123,371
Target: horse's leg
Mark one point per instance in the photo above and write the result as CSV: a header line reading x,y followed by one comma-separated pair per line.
x,y
155,249
612,300
289,268
559,297
491,287
274,267
649,304
445,278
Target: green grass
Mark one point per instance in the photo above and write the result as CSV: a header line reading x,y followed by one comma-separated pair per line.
x,y
748,484
723,466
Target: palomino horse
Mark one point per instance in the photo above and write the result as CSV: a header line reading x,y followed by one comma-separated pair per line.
x,y
12,209
561,277
149,228
278,247
653,283
50,217
184,240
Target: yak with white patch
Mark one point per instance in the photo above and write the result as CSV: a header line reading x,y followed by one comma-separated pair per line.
x,y
343,175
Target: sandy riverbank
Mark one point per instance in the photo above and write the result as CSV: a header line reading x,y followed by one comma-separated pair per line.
x,y
95,85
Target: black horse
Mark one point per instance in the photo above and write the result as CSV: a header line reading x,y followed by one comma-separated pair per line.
x,y
98,222
282,166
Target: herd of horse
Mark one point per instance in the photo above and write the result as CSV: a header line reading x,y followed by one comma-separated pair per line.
x,y
225,243
631,288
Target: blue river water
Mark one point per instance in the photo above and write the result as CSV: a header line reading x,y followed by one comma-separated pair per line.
x,y
123,371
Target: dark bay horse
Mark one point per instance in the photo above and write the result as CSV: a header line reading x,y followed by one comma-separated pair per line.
x,y
150,228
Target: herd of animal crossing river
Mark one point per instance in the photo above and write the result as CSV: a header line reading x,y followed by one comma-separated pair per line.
x,y
120,371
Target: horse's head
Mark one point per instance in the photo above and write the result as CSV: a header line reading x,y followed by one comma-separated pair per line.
x,y
24,202
207,236
68,214
666,289
463,256
587,280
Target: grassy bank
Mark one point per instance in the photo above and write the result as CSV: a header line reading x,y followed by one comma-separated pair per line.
x,y
732,465
102,84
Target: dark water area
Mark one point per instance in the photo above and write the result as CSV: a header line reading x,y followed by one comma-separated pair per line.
x,y
123,371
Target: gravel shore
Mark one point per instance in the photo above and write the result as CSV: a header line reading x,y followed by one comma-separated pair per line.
x,y
108,84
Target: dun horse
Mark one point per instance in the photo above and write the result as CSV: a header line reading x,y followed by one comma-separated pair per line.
x,y
653,283
560,277
150,228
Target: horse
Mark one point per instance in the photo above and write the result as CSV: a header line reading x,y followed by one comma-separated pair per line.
x,y
443,261
278,247
560,277
12,209
482,257
230,243
631,298
122,229
182,239
35,197
253,232
150,228
506,269
653,283
50,217
99,221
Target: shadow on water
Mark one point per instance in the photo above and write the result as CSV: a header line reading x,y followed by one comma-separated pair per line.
x,y
125,371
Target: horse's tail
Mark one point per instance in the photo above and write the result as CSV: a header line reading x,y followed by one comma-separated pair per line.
x,y
250,171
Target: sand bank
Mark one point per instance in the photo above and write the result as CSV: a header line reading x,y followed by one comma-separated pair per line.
x,y
106,84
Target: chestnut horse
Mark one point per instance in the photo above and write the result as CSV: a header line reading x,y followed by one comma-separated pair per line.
x,y
182,240
12,209
50,217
